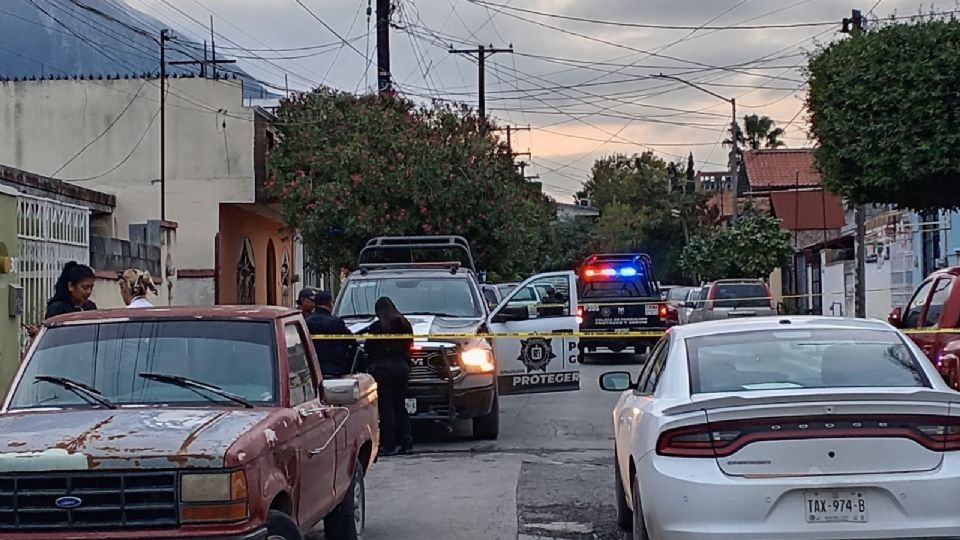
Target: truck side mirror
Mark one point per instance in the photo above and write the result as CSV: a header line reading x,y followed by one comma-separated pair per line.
x,y
895,317
512,314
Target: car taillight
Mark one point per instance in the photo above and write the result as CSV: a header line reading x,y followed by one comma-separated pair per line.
x,y
663,312
579,314
723,439
769,295
669,313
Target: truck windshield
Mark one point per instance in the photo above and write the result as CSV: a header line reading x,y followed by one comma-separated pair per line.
x,y
236,356
614,289
451,297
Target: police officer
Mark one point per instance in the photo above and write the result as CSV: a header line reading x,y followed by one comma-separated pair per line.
x,y
307,301
335,355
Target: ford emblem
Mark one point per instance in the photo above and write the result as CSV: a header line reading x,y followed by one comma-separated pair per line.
x,y
68,502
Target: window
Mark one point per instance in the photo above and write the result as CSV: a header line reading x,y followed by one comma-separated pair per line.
x,y
912,316
237,356
739,295
658,361
941,292
648,365
302,386
798,359
451,296
614,289
552,298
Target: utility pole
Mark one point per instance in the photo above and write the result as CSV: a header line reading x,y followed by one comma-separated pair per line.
x,y
213,62
165,36
482,54
384,83
854,26
510,130
734,151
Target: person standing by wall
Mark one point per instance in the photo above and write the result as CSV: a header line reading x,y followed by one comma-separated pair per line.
x,y
72,291
134,285
390,367
335,355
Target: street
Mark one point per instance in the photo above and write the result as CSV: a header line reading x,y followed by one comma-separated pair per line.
x,y
550,475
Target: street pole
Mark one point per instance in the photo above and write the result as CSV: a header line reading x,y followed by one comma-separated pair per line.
x,y
482,54
164,37
854,26
734,152
383,46
735,164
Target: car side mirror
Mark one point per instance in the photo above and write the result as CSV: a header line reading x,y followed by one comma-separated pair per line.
x,y
616,381
341,392
895,318
512,314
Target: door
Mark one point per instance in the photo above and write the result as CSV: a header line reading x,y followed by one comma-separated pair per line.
x,y
913,319
547,360
316,451
934,317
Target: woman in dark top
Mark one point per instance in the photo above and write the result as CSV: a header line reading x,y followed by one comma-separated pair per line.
x,y
390,366
73,290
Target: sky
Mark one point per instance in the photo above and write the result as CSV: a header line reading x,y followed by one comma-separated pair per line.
x,y
585,89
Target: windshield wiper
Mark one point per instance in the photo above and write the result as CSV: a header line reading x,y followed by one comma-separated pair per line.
x,y
81,389
186,382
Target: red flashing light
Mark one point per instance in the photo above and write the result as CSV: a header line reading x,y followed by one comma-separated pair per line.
x,y
589,272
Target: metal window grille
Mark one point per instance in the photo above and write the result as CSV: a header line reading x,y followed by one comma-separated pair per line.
x,y
49,234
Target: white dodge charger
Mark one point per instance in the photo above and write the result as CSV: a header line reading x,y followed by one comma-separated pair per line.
x,y
787,428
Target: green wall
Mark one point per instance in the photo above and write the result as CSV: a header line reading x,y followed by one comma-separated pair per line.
x,y
9,326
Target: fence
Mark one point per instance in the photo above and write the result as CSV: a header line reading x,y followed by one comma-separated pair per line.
x,y
49,234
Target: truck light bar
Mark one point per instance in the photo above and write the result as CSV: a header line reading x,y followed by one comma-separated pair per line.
x,y
624,271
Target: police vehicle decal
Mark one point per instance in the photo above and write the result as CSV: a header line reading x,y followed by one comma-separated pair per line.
x,y
536,354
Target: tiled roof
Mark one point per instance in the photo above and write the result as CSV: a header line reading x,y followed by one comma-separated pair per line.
x,y
808,210
781,168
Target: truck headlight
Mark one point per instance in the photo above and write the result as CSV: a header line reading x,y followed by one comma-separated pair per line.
x,y
213,497
478,361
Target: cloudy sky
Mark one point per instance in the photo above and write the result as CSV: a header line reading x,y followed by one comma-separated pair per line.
x,y
586,89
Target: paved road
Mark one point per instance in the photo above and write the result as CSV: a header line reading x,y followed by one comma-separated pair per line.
x,y
549,476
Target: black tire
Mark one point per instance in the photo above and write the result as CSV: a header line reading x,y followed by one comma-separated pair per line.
x,y
348,520
487,428
639,525
624,515
280,526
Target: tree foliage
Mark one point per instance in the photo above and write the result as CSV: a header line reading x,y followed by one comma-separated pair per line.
x,y
885,109
645,203
348,168
753,248
757,132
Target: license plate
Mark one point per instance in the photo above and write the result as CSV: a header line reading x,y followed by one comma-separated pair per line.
x,y
411,404
832,506
651,309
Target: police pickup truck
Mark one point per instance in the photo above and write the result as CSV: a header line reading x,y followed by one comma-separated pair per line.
x,y
619,294
460,366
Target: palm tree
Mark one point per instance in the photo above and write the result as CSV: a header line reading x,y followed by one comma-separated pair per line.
x,y
758,132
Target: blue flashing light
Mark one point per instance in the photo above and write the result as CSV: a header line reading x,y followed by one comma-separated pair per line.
x,y
628,271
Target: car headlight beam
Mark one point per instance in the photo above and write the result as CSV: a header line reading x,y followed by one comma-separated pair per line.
x,y
478,360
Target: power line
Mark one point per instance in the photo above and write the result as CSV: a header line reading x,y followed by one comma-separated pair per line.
x,y
331,30
126,158
653,26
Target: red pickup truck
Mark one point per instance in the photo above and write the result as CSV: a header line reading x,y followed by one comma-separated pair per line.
x,y
198,423
931,320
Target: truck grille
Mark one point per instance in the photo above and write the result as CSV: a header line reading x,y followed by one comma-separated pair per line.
x,y
106,501
429,366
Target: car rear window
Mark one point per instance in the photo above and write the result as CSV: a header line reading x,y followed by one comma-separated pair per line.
x,y
797,359
614,289
734,295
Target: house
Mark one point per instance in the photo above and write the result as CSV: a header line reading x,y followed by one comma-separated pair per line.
x,y
790,183
568,212
712,181
105,134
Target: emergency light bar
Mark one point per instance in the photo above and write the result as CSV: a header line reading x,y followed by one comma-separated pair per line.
x,y
625,271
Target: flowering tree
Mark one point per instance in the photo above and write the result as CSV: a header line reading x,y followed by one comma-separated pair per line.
x,y
348,168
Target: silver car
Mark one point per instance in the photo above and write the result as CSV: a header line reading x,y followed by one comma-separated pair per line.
x,y
733,298
690,302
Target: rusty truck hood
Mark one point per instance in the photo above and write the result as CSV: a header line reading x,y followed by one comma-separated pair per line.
x,y
121,438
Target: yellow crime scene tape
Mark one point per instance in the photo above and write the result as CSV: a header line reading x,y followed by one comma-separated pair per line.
x,y
505,335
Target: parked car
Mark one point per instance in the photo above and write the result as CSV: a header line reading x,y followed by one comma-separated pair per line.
x,y
931,319
506,288
676,295
731,298
832,428
194,423
492,295
689,303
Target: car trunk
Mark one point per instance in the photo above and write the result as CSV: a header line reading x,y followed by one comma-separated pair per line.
x,y
831,434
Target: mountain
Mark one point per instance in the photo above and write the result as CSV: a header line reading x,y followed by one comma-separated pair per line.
x,y
48,38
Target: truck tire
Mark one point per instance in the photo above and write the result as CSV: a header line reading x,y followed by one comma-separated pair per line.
x,y
282,527
487,428
348,520
624,514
